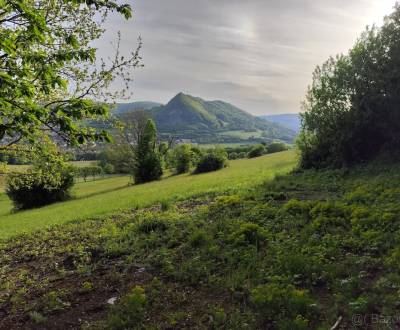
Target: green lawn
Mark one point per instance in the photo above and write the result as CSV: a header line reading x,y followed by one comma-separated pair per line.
x,y
112,195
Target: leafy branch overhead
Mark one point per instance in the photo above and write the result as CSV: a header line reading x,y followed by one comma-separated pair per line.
x,y
50,76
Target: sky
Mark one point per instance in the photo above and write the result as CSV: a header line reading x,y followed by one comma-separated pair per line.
x,y
256,54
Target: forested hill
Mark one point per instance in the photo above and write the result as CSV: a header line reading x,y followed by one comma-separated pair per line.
x,y
191,117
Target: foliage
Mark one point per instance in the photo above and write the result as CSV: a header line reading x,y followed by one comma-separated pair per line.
x,y
212,160
276,147
88,171
43,184
283,304
49,73
130,311
111,195
119,156
350,113
182,158
256,151
241,260
147,165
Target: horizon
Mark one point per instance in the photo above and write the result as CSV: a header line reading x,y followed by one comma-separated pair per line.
x,y
257,56
164,103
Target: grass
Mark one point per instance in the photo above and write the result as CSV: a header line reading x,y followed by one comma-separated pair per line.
x,y
110,196
243,134
303,251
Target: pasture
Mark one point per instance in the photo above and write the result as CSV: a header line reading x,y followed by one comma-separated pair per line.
x,y
113,195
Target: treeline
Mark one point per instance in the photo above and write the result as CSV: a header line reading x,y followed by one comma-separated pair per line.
x,y
257,150
351,112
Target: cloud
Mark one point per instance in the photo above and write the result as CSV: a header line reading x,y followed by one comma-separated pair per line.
x,y
256,54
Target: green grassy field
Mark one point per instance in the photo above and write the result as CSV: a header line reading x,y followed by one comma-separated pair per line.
x,y
301,251
112,195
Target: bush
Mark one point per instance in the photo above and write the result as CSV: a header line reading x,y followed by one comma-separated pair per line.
x,y
109,169
212,160
182,158
276,147
149,168
256,151
38,187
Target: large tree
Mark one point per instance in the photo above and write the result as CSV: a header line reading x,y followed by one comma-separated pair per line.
x,y
351,113
50,77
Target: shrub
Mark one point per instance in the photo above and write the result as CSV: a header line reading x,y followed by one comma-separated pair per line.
x,y
40,186
109,169
250,233
149,225
276,147
212,160
182,157
148,163
256,151
149,168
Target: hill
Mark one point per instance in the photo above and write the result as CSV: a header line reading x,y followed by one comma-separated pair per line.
x,y
306,250
107,196
291,120
202,121
126,107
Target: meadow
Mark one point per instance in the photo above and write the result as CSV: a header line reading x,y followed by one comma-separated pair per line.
x,y
306,250
113,195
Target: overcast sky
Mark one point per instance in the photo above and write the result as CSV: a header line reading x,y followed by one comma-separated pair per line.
x,y
256,54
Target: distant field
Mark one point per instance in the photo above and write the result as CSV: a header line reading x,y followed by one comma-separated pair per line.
x,y
242,134
111,195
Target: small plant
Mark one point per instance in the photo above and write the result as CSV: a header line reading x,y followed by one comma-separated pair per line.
x,y
87,287
130,311
198,238
37,317
149,225
165,205
250,233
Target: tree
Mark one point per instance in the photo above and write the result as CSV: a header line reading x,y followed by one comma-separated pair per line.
x,y
147,165
49,72
351,110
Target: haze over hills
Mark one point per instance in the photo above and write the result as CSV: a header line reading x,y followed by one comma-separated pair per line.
x,y
126,107
189,117
288,120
